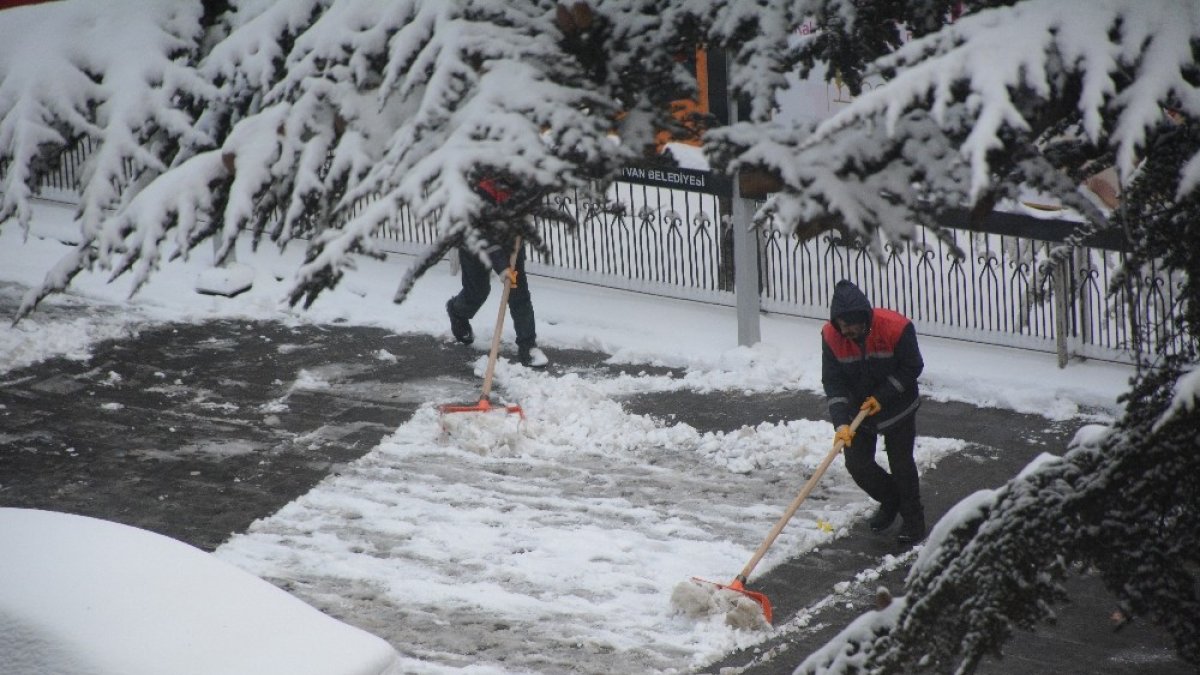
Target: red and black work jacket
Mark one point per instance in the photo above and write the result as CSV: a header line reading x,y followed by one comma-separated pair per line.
x,y
497,192
885,364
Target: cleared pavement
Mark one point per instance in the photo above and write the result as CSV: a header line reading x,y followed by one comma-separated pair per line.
x,y
213,385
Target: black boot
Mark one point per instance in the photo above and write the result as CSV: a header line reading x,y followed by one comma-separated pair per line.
x,y
460,327
532,357
883,517
912,530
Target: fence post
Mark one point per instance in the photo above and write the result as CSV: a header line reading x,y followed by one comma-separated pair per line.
x,y
745,270
1060,284
1081,265
745,252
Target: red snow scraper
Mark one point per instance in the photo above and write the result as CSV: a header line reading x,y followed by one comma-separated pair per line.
x,y
738,584
485,403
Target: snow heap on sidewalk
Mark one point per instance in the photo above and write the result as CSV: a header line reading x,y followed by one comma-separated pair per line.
x,y
82,595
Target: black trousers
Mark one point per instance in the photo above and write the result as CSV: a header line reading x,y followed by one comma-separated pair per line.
x,y
900,488
477,283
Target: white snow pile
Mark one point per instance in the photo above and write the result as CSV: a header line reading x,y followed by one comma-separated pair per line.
x,y
82,595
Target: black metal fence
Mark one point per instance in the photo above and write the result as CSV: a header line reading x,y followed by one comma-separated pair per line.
x,y
986,284
990,284
642,238
60,181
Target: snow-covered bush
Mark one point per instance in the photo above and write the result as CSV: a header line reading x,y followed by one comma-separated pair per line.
x,y
322,118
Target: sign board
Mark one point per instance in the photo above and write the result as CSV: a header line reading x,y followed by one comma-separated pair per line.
x,y
712,102
657,175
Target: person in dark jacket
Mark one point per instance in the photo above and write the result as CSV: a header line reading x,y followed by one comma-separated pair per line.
x,y
870,361
477,284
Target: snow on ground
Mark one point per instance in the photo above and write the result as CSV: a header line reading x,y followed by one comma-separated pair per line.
x,y
557,547
74,599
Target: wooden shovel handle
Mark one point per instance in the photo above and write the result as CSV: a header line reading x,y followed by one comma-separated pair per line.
x,y
804,492
491,366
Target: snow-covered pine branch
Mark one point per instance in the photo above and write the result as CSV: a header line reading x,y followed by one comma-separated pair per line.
x,y
1031,94
763,40
403,104
545,100
1120,503
966,112
117,75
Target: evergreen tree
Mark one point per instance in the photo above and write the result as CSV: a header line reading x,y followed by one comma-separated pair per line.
x,y
1038,94
323,119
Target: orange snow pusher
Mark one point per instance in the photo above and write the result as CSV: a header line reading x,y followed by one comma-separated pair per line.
x,y
485,398
738,585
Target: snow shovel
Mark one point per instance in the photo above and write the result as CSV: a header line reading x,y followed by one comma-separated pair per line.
x,y
485,403
739,582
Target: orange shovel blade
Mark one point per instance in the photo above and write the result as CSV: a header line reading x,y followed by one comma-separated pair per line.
x,y
483,405
737,587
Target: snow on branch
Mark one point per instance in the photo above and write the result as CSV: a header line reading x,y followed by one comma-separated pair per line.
x,y
1120,504
993,83
320,106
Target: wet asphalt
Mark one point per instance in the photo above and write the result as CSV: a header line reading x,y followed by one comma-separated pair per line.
x,y
85,437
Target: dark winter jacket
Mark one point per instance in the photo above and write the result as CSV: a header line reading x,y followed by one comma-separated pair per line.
x,y
885,364
497,192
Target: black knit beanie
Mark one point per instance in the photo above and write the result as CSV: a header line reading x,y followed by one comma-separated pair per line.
x,y
856,317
